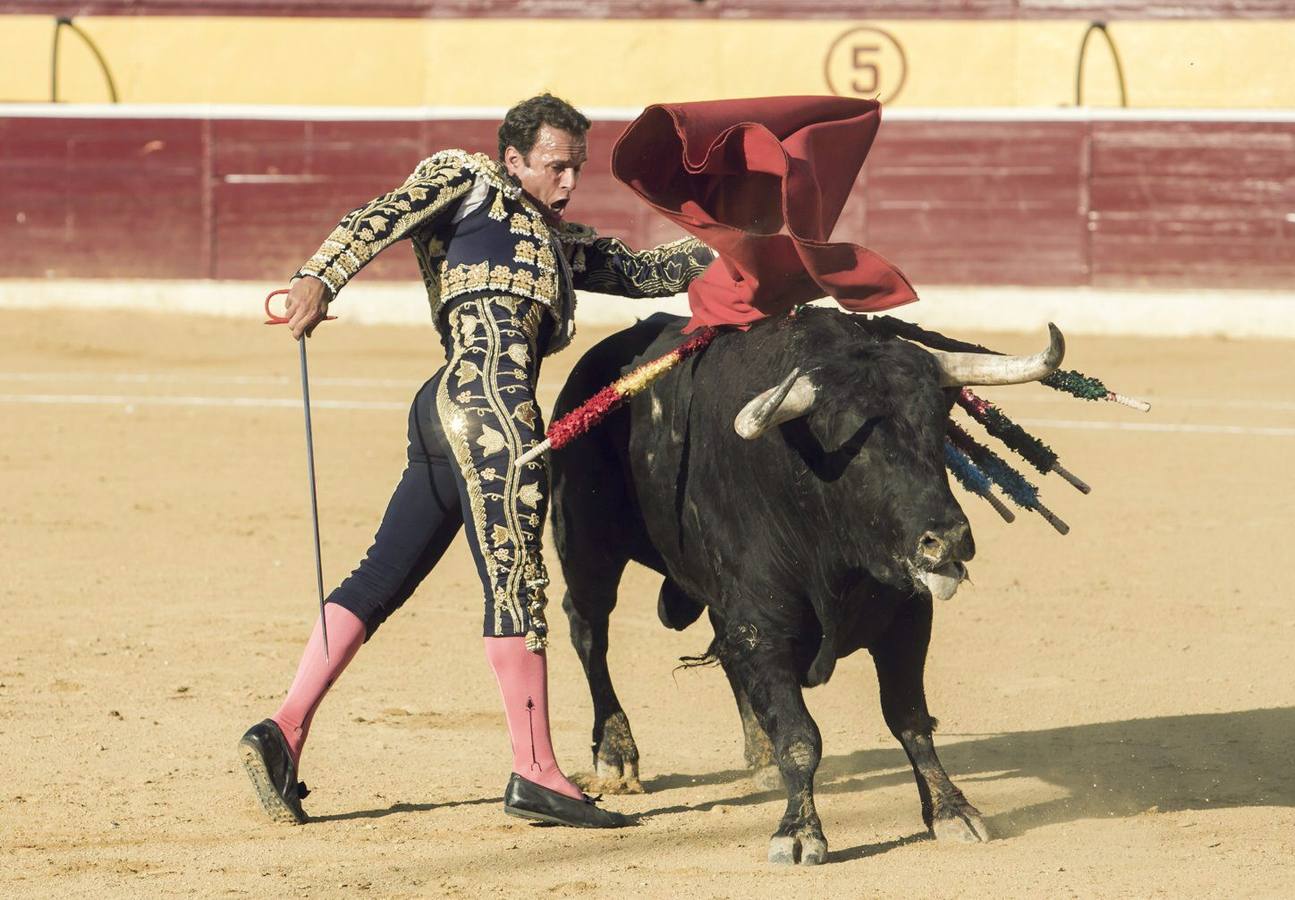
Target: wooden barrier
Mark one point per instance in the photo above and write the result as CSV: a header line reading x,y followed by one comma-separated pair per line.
x,y
973,200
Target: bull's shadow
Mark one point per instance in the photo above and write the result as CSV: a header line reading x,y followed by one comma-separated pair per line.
x,y
1168,763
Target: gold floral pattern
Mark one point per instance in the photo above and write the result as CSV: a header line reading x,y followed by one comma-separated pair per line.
x,y
525,253
476,277
608,266
494,358
427,195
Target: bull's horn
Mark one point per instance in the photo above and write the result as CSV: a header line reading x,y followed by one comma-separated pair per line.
x,y
959,369
792,398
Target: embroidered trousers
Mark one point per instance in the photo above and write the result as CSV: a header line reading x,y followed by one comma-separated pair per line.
x,y
468,425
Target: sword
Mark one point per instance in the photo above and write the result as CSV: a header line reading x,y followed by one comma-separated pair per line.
x,y
272,319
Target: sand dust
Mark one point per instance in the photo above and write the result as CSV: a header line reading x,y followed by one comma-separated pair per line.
x,y
1119,703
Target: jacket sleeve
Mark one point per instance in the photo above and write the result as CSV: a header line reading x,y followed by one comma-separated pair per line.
x,y
608,266
428,196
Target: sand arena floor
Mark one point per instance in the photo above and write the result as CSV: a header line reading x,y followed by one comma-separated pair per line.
x,y
1119,702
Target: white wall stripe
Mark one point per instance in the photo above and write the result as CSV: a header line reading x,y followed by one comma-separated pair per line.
x,y
241,402
180,378
414,381
295,404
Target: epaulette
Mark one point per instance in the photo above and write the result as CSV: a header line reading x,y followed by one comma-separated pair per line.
x,y
478,164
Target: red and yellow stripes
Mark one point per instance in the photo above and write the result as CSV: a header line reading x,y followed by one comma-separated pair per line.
x,y
588,414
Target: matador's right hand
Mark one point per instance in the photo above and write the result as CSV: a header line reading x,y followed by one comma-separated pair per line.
x,y
307,305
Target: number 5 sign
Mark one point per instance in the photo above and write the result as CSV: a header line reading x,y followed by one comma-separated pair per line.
x,y
866,62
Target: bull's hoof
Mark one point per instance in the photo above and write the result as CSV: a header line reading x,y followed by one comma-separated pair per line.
x,y
960,825
804,848
610,778
767,778
616,758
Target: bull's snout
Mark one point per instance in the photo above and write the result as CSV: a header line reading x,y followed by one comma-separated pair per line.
x,y
938,547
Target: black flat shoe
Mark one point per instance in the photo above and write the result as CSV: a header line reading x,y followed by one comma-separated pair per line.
x,y
268,762
528,800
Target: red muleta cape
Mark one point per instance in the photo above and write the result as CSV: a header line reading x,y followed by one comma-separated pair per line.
x,y
762,181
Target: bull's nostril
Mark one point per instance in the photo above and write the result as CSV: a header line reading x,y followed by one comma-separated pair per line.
x,y
930,544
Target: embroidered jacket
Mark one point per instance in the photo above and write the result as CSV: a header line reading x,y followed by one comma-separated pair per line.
x,y
475,232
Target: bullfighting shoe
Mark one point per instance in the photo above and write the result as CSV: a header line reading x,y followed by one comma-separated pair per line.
x,y
528,800
268,762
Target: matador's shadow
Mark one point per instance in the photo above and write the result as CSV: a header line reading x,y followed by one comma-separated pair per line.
x,y
398,808
1168,763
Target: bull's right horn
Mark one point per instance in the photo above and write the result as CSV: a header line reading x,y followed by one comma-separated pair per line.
x,y
793,397
961,369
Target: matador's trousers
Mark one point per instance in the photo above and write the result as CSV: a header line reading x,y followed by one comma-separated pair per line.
x,y
468,425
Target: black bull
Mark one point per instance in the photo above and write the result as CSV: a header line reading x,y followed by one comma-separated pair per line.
x,y
812,540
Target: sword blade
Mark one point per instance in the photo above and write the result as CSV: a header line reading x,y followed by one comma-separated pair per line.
x,y
314,504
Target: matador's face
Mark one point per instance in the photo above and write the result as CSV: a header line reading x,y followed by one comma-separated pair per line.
x,y
551,171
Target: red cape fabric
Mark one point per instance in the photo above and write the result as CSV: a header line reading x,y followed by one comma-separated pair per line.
x,y
762,181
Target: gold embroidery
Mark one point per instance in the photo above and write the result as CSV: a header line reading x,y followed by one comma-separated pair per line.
x,y
471,278
467,371
468,327
479,165
612,268
364,232
491,441
520,223
545,261
519,354
525,252
527,413
455,422
497,211
525,285
501,278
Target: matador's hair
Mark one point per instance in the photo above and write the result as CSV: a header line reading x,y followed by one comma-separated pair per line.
x,y
521,124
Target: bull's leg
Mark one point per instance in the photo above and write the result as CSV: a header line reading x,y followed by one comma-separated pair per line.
x,y
589,600
757,748
768,679
900,656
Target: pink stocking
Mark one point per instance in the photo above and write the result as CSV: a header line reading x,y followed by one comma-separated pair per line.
x,y
523,679
315,677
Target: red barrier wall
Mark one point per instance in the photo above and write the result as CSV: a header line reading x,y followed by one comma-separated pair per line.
x,y
1105,203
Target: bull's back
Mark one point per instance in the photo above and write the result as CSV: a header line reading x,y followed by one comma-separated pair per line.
x,y
596,515
618,355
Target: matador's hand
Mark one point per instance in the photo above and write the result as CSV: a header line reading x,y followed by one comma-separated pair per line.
x,y
306,306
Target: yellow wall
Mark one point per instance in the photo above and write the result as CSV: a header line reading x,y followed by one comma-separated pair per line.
x,y
626,63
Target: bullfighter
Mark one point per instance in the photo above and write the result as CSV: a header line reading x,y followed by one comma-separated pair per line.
x,y
501,267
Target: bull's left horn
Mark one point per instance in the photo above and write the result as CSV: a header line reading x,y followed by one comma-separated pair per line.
x,y
793,397
961,369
